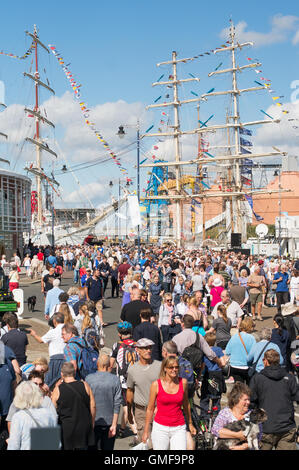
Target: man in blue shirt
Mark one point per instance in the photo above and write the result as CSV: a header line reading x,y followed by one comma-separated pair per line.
x,y
282,279
52,260
94,287
52,298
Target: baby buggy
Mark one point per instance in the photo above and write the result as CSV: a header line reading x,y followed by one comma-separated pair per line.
x,y
295,358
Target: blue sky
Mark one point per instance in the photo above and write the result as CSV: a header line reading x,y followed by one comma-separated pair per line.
x,y
113,48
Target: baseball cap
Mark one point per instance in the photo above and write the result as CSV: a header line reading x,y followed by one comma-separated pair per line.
x,y
261,261
144,342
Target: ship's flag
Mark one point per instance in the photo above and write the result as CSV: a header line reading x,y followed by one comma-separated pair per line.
x,y
243,150
250,202
245,143
245,131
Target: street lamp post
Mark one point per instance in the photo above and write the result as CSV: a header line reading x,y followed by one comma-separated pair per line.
x,y
277,173
121,133
138,183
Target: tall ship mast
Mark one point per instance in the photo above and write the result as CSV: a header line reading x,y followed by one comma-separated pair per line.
x,y
236,157
37,140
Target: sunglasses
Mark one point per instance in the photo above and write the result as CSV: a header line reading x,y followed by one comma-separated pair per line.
x,y
169,300
173,367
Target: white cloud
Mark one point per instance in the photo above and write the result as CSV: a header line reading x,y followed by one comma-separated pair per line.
x,y
284,136
93,191
76,139
281,26
296,38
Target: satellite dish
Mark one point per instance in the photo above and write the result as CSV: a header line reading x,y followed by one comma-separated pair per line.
x,y
261,230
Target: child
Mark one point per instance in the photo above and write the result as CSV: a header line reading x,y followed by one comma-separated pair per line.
x,y
122,351
182,306
213,384
175,328
221,326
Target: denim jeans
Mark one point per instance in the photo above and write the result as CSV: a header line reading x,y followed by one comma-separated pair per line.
x,y
76,276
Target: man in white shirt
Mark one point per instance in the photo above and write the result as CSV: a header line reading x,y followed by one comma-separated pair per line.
x,y
233,309
56,347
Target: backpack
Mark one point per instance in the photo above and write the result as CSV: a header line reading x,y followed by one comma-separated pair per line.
x,y
194,355
87,360
129,357
91,337
186,372
58,270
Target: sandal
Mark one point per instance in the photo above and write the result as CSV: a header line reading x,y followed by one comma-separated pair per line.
x,y
104,324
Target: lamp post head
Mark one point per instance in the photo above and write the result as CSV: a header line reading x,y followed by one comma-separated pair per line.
x,y
121,132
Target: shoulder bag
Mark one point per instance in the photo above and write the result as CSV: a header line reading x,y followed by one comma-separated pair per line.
x,y
243,343
252,369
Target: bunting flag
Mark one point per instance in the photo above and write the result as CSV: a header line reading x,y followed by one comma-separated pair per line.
x,y
268,87
24,56
84,108
209,52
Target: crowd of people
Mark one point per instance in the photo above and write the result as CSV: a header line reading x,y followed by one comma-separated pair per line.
x,y
187,327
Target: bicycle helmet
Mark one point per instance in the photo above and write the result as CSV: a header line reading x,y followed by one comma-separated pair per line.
x,y
124,327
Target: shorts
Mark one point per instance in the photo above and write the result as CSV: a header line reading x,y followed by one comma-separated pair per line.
x,y
255,298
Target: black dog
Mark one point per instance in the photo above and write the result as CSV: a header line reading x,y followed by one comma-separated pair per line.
x,y
250,428
31,303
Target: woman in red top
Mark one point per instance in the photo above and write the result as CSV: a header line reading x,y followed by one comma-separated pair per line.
x,y
169,393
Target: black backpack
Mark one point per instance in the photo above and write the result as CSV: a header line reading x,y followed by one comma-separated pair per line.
x,y
194,355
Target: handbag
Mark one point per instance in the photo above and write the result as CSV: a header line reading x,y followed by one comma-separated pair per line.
x,y
252,369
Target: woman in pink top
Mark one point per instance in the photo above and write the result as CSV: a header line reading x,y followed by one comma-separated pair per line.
x,y
169,394
215,292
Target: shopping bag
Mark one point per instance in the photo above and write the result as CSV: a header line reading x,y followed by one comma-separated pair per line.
x,y
141,446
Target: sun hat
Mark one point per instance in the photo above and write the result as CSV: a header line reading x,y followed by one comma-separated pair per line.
x,y
288,309
217,282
